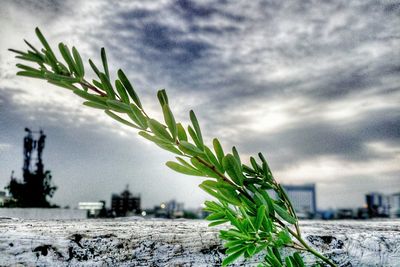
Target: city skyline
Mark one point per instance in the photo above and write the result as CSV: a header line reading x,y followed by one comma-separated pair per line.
x,y
313,85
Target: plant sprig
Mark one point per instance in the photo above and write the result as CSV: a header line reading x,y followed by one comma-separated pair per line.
x,y
258,222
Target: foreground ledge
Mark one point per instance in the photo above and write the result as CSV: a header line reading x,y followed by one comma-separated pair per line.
x,y
134,242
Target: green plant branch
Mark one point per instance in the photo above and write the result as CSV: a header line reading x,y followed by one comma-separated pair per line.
x,y
258,222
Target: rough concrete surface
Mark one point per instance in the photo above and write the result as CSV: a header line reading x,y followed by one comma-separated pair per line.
x,y
135,242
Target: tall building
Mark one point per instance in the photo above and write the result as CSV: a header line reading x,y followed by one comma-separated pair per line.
x,y
125,203
395,205
303,199
377,204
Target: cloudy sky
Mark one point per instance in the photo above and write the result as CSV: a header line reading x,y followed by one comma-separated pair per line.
x,y
314,85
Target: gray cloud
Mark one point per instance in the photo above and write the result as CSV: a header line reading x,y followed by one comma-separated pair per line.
x,y
325,73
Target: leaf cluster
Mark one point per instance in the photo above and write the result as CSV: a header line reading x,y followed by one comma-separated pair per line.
x,y
257,222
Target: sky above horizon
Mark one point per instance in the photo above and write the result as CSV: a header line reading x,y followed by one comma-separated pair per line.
x,y
314,85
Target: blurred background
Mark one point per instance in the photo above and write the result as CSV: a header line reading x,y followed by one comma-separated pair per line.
x,y
314,85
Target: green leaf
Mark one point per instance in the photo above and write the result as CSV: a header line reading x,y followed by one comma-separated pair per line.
x,y
233,169
98,85
261,156
236,155
236,234
153,138
42,39
210,183
260,217
215,216
260,248
217,223
118,106
213,159
107,86
204,169
277,254
49,59
129,88
284,214
194,137
170,120
270,206
45,44
196,126
298,259
104,60
64,69
121,91
181,132
249,170
273,259
234,220
249,204
231,258
64,84
185,163
17,52
95,69
159,130
247,217
233,249
119,119
218,150
27,68
32,47
266,171
31,74
284,236
268,226
95,105
57,77
91,97
190,149
32,58
183,169
78,62
214,205
170,148
162,97
251,249
137,116
289,262
210,191
230,196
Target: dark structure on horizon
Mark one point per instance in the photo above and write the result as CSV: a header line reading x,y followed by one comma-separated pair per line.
x,y
125,203
36,185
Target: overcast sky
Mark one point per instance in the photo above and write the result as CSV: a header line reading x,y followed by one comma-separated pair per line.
x,y
314,85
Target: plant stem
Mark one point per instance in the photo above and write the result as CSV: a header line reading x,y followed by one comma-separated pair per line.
x,y
311,250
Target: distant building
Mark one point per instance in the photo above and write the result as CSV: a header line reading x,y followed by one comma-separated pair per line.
x,y
172,210
345,214
378,204
125,203
3,198
303,198
394,200
94,209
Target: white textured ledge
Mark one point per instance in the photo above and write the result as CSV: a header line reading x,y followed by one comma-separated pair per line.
x,y
129,242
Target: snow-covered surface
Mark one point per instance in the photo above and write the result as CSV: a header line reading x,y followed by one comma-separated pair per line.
x,y
138,242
